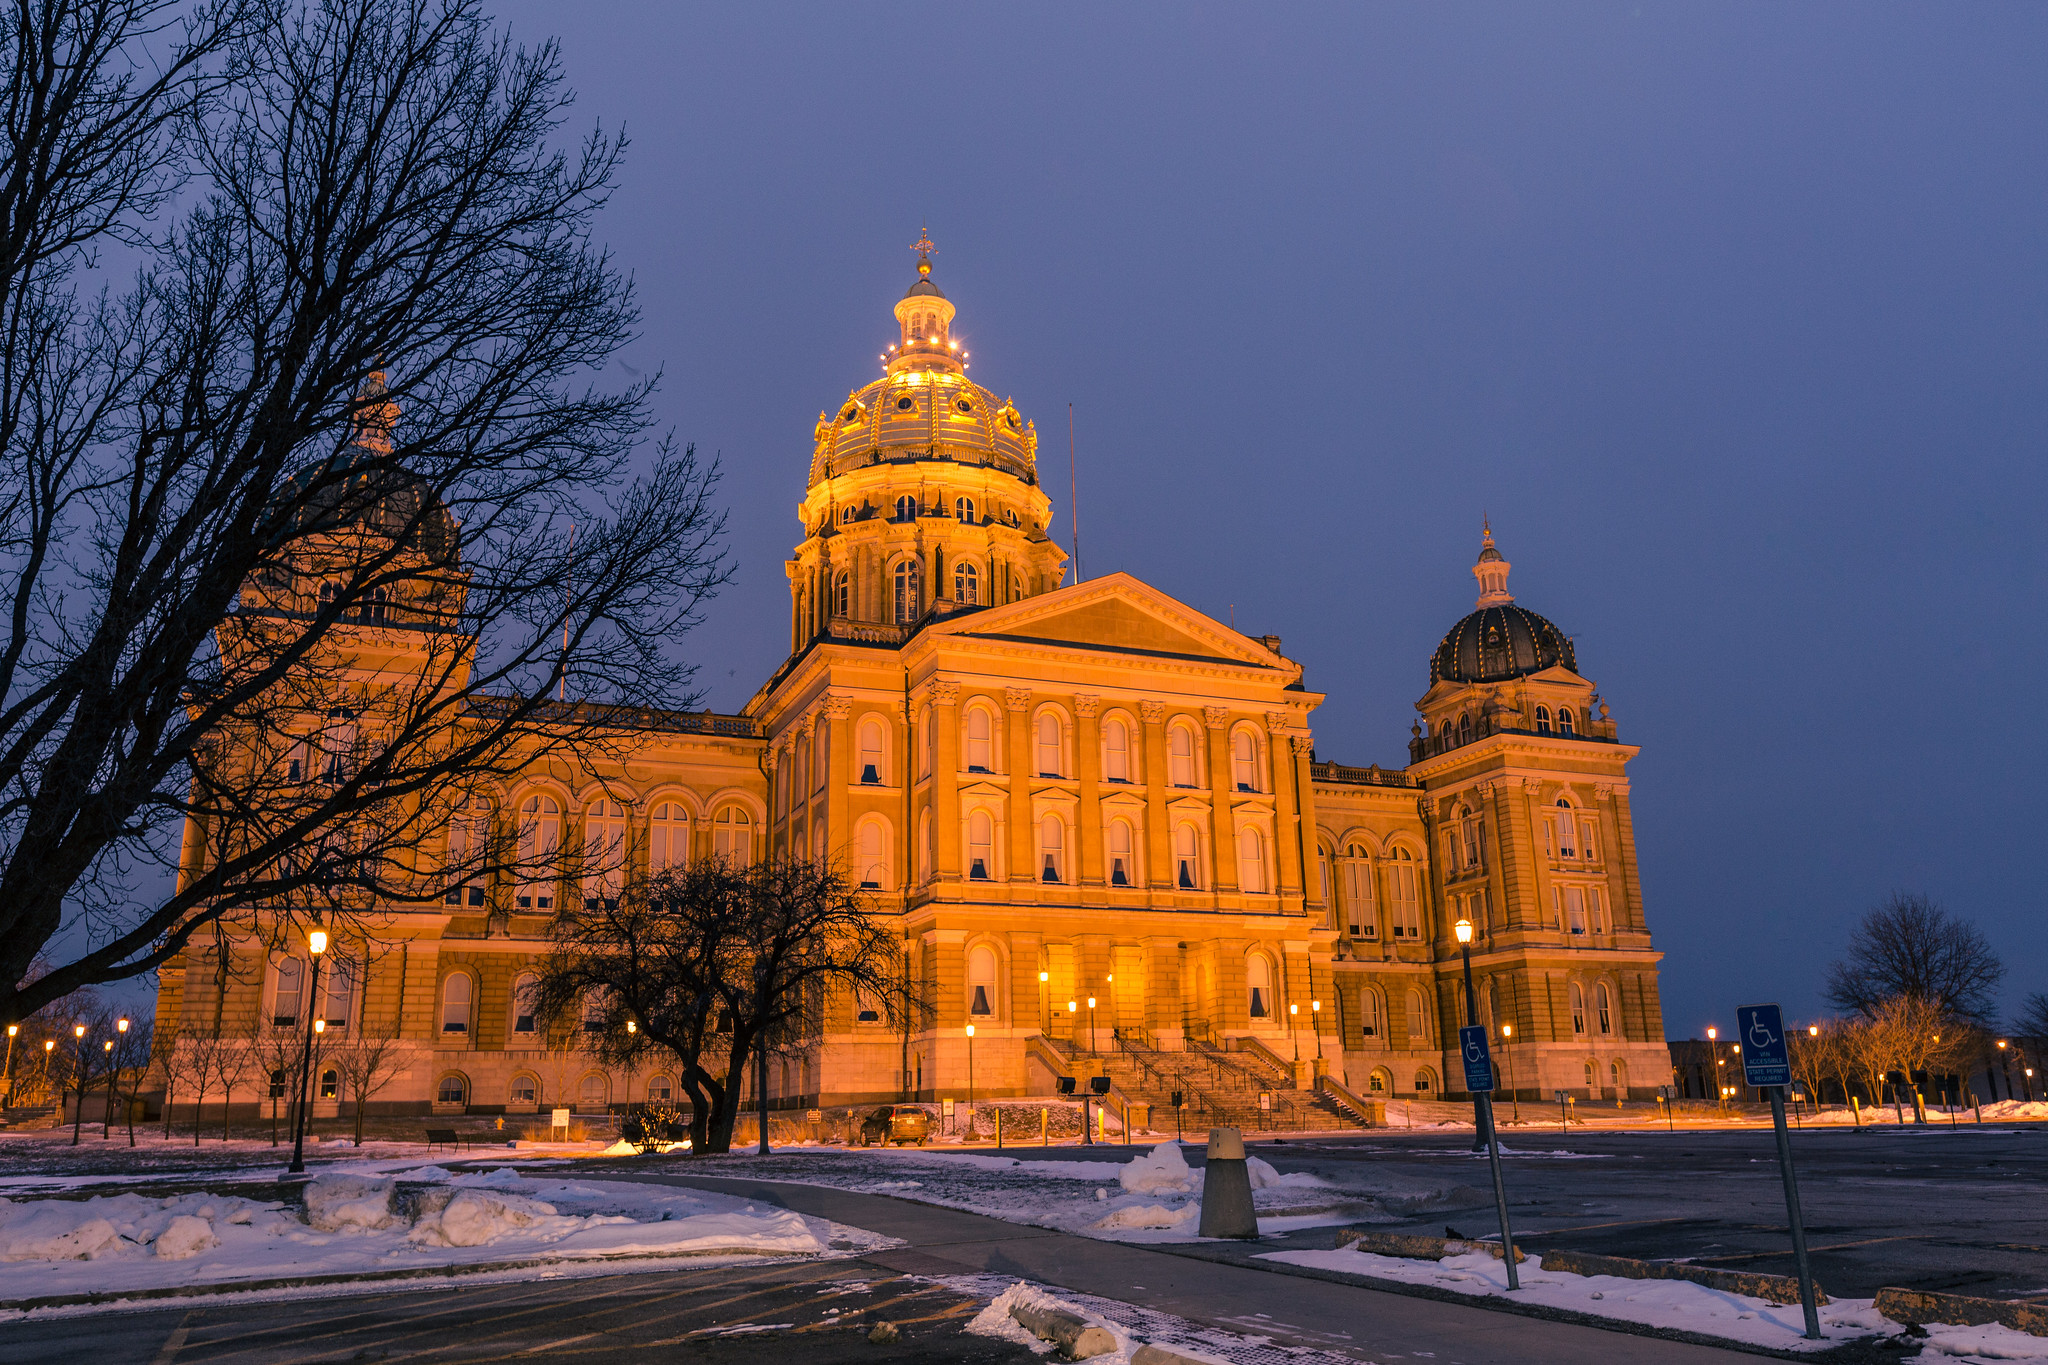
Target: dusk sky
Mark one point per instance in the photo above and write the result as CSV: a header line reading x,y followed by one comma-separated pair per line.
x,y
1731,317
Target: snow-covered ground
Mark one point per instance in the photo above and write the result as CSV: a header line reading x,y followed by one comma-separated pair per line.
x,y
368,1218
1671,1304
1153,1198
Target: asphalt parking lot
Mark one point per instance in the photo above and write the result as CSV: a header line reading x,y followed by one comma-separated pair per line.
x,y
1959,1209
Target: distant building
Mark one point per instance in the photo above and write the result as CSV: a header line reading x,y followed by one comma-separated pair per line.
x,y
1063,791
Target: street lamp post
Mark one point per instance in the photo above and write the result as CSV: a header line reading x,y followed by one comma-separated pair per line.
x,y
1507,1033
78,1063
1045,998
7,1077
316,944
1294,1030
107,1113
2002,1069
970,1080
1463,929
1315,1009
1720,1088
1091,1026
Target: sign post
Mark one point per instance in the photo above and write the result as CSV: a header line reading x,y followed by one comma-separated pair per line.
x,y
1479,1084
1767,1065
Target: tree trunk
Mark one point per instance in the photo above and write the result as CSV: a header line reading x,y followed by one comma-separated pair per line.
x,y
198,1113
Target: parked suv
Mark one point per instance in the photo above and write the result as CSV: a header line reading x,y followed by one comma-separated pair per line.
x,y
896,1123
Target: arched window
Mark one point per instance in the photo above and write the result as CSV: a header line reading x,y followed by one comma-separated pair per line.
x,y
1592,1085
1370,1024
1251,861
604,854
732,835
1617,1074
1424,1082
288,993
540,835
339,745
1603,1008
980,751
1323,874
338,991
523,988
525,1090
1049,745
926,848
1361,908
1380,1082
469,830
668,836
927,750
1402,891
1542,720
871,752
1116,750
330,1084
909,592
963,510
1578,996
1258,980
1418,1019
452,1090
456,993
1187,860
1244,761
1565,723
873,854
847,514
966,584
1122,866
592,1097
1180,756
1564,829
981,981
981,846
906,508
1465,729
1052,849
660,1090
842,593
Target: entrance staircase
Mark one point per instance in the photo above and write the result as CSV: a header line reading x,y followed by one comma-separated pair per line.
x,y
1217,1087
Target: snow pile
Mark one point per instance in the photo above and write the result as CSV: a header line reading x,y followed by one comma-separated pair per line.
x,y
53,1232
187,1236
351,1203
476,1217
1163,1170
995,1321
1151,1216
124,1225
1990,1342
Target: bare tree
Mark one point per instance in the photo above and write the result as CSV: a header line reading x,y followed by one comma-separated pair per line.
x,y
366,1065
709,960
193,1066
234,1062
1909,946
349,404
280,1067
2032,1019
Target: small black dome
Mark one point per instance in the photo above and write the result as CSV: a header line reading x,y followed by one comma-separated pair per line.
x,y
358,487
1494,644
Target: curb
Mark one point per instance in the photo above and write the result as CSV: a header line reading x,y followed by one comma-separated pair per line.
x,y
1959,1310
447,1272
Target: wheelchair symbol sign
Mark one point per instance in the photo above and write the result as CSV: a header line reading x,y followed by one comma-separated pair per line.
x,y
1766,1056
1478,1060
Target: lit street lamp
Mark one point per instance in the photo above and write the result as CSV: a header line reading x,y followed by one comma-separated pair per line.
x,y
1463,929
7,1077
1045,995
78,1061
1091,1025
1507,1033
1315,1009
1294,1030
316,943
970,1080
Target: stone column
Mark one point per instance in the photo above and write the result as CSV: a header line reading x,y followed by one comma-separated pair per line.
x,y
944,698
1023,832
836,736
1222,833
1159,831
1163,991
1088,768
1288,875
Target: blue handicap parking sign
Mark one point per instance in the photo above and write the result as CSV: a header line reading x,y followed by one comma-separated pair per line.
x,y
1478,1061
1766,1055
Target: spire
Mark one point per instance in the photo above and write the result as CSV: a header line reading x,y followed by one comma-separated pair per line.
x,y
925,320
924,249
1491,570
376,416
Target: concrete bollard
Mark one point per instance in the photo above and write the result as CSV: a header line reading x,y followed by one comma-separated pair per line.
x,y
1227,1188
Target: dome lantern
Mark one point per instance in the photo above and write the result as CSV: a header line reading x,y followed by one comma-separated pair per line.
x,y
1491,571
1500,640
925,321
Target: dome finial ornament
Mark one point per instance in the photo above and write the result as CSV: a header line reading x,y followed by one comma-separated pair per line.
x,y
924,249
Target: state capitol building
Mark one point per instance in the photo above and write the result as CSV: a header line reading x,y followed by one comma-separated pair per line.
x,y
1061,792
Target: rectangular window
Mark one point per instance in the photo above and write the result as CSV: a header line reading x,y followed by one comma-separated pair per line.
x,y
284,1009
1575,909
1369,1013
1359,909
337,991
1566,845
1407,914
1589,841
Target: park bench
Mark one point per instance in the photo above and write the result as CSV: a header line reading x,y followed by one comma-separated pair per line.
x,y
445,1137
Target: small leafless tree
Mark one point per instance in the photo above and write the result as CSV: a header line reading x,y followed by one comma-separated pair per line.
x,y
280,1066
2032,1020
366,1065
193,1066
709,960
351,399
1911,947
234,1062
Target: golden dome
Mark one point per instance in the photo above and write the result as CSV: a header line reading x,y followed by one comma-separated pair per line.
x,y
925,407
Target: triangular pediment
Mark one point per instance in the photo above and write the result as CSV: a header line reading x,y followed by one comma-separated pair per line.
x,y
1119,613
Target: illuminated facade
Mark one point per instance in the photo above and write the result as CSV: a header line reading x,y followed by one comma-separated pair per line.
x,y
1065,791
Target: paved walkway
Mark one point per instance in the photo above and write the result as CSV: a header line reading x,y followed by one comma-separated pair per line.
x,y
1342,1319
